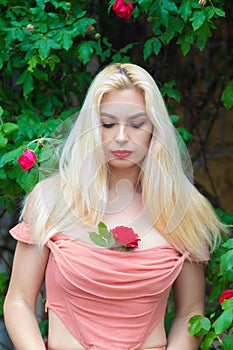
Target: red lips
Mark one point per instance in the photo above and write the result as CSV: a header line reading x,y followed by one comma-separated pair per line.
x,y
121,153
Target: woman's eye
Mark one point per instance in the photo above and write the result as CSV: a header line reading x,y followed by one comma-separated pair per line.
x,y
137,125
108,125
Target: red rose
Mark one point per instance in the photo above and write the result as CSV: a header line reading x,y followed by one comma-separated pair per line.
x,y
226,294
46,344
27,160
123,9
125,236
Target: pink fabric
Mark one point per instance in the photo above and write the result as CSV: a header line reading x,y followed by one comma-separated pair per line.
x,y
107,299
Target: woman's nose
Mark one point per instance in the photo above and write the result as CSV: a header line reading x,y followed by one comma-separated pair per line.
x,y
122,134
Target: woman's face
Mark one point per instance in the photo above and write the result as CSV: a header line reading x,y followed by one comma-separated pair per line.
x,y
126,129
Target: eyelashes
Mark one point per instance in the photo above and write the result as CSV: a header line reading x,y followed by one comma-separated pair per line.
x,y
108,125
134,125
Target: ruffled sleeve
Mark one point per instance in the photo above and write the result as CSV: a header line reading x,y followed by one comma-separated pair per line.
x,y
22,232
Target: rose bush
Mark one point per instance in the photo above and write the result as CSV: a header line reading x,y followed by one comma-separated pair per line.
x,y
46,56
216,326
50,50
123,9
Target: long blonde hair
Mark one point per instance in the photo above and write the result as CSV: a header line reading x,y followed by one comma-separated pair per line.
x,y
80,189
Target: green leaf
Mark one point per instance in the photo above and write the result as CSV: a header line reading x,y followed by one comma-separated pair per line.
x,y
43,327
43,48
224,321
194,324
46,153
41,4
208,340
52,61
163,16
9,128
199,325
111,241
209,12
168,35
144,4
169,5
205,326
106,54
227,261
203,34
84,51
147,50
126,48
103,230
169,90
40,74
3,174
11,156
175,25
117,58
227,303
28,180
185,10
227,95
66,41
186,136
228,243
27,81
32,63
219,12
185,47
151,45
174,118
157,46
227,342
80,27
197,19
28,86
3,140
225,217
97,239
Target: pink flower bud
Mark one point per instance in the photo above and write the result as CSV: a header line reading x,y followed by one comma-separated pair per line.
x,y
27,160
30,28
202,2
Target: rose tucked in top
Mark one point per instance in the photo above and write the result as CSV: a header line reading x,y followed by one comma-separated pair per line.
x,y
107,299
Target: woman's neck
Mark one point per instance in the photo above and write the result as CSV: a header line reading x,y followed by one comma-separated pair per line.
x,y
121,180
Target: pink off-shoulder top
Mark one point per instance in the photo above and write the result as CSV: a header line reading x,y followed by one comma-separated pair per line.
x,y
107,299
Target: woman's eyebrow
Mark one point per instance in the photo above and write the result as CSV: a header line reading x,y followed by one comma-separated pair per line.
x,y
133,116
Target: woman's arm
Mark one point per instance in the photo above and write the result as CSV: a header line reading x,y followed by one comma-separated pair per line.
x,y
189,295
19,307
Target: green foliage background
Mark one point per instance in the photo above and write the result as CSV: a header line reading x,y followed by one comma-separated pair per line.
x,y
49,52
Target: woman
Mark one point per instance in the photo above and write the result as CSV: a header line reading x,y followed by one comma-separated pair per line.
x,y
120,165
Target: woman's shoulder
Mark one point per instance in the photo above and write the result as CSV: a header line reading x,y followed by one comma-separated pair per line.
x,y
43,191
46,185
